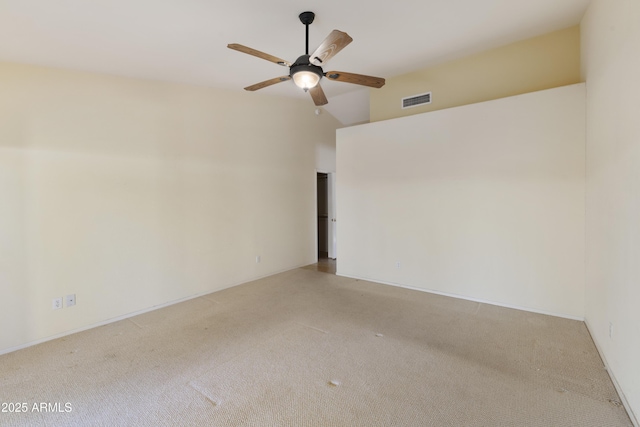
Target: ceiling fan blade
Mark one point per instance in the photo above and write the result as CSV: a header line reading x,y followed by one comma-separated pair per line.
x,y
334,43
319,98
358,79
245,49
266,83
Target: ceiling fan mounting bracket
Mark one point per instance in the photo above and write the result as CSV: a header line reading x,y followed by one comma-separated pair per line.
x,y
307,17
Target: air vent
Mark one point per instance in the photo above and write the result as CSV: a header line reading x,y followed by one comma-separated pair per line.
x,y
415,100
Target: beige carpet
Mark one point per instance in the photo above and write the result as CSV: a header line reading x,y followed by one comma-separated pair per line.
x,y
307,348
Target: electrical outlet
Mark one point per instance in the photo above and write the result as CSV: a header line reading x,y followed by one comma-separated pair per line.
x,y
397,264
70,300
257,259
57,303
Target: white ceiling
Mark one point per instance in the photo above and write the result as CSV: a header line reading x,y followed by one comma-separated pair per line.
x,y
185,40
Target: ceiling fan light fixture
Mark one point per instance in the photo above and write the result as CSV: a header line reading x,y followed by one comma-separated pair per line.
x,y
304,74
305,79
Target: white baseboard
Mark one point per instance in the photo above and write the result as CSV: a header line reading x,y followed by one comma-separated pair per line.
x,y
138,312
623,398
446,294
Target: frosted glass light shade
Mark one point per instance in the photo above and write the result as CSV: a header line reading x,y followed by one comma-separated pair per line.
x,y
306,79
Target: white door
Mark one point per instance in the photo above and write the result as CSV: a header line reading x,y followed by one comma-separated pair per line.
x,y
331,207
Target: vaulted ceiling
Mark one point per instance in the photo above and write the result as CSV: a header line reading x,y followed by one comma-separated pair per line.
x,y
185,40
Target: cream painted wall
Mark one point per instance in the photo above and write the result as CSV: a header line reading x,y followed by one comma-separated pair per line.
x,y
326,156
539,63
133,194
484,201
611,66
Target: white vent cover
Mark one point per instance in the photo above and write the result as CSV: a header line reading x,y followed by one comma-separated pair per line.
x,y
415,100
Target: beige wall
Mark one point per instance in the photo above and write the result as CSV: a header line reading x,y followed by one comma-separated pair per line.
x,y
133,194
484,201
611,66
539,63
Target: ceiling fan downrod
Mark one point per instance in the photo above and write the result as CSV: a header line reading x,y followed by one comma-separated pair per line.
x,y
307,19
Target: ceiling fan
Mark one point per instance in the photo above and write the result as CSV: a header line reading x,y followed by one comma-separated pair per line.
x,y
306,71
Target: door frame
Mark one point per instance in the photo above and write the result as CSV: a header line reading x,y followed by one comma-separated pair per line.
x,y
331,207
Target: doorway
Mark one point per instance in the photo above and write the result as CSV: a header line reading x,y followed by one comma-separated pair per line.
x,y
323,215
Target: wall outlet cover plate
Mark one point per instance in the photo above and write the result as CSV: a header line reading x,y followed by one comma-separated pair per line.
x,y
70,300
